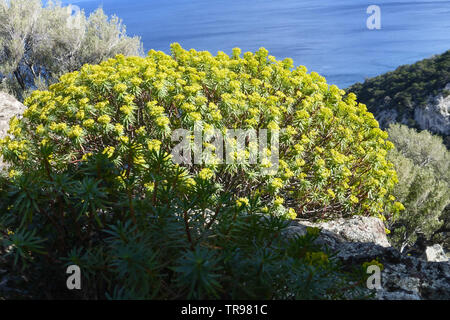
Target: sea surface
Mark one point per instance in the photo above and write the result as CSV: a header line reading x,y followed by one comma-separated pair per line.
x,y
327,36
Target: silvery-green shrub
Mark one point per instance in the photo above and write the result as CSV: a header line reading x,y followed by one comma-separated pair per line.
x,y
40,43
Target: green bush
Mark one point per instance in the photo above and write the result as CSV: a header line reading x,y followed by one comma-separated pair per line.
x,y
92,182
422,164
422,148
164,244
331,152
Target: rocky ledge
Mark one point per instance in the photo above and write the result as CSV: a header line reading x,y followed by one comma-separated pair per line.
x,y
362,239
9,107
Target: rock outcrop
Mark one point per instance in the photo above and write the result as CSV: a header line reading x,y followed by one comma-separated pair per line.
x,y
356,229
416,95
435,253
360,239
9,107
434,116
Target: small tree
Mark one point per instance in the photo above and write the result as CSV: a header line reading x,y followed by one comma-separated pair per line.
x,y
421,161
423,148
38,44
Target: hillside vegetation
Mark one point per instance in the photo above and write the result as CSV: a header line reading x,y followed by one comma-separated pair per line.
x,y
422,164
407,86
40,43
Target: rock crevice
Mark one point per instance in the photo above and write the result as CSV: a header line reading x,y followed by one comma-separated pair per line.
x,y
361,239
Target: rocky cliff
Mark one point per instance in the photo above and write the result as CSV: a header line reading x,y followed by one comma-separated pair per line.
x,y
434,116
416,95
361,239
9,107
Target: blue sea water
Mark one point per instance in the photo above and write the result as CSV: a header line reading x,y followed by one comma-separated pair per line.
x,y
327,36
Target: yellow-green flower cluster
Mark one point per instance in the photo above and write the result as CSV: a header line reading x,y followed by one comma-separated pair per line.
x,y
242,202
331,149
206,174
316,258
374,262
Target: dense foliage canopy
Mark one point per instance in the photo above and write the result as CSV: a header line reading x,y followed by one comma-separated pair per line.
x,y
422,163
332,153
92,182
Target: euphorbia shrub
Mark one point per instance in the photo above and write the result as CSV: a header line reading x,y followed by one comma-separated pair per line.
x,y
331,150
92,182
